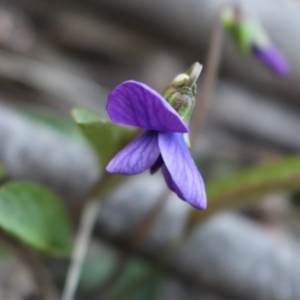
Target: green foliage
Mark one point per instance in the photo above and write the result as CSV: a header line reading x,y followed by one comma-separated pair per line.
x,y
35,215
245,187
105,137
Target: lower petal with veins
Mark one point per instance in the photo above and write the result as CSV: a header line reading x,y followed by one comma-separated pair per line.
x,y
136,157
182,168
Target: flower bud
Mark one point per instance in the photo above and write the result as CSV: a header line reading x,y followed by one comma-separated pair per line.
x,y
245,30
181,92
250,37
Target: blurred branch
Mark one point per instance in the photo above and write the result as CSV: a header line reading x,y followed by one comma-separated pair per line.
x,y
87,222
211,67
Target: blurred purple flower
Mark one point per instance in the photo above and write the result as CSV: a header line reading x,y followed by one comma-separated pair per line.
x,y
250,37
160,146
269,55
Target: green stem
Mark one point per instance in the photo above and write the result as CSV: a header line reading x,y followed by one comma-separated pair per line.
x,y
83,237
100,190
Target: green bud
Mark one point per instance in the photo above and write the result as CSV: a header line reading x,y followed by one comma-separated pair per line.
x,y
245,30
181,92
180,80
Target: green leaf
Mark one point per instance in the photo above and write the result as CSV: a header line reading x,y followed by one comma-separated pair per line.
x,y
105,137
245,187
82,115
36,216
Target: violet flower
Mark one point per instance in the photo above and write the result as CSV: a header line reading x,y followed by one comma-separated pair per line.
x,y
270,56
250,37
160,146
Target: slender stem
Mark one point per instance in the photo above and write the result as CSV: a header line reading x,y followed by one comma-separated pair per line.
x,y
83,237
87,209
77,213
210,76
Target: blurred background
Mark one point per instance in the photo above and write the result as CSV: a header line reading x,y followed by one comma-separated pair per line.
x,y
59,54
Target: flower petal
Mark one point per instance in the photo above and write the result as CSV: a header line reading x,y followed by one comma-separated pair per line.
x,y
136,157
157,165
182,168
134,103
170,182
273,58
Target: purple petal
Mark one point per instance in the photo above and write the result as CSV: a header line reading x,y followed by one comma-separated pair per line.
x,y
183,171
273,58
157,165
134,103
170,182
136,157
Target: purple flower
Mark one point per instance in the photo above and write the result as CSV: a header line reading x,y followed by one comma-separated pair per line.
x,y
269,55
160,146
250,37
